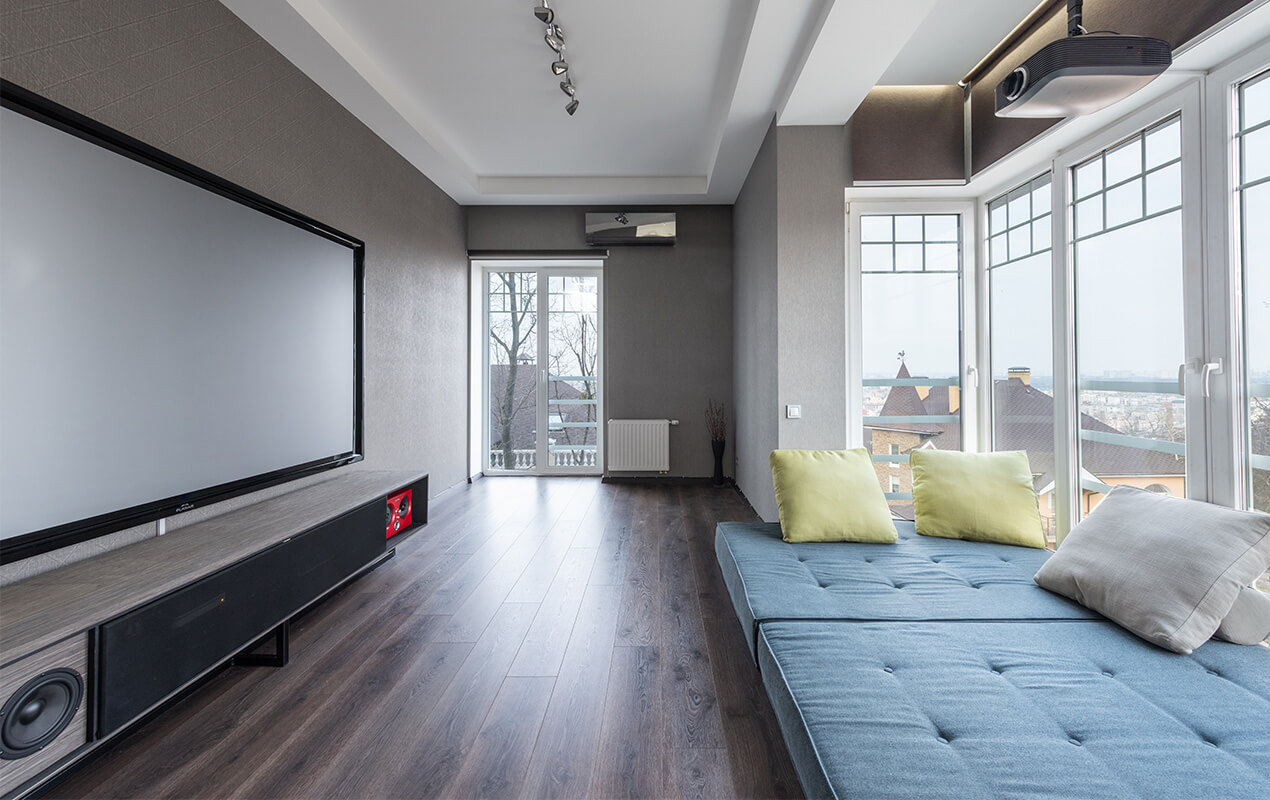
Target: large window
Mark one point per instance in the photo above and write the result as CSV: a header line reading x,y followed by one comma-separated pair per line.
x,y
911,334
1020,290
1128,261
1253,153
1253,189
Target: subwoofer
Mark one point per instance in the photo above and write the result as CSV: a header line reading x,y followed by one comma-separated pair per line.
x,y
37,712
44,715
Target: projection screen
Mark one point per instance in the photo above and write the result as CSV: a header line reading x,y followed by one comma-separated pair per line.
x,y
160,343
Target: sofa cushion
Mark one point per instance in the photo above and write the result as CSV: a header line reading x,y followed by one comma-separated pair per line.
x,y
1248,621
917,578
830,496
1165,568
909,710
984,497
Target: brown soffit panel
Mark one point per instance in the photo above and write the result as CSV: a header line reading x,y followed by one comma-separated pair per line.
x,y
909,133
1174,21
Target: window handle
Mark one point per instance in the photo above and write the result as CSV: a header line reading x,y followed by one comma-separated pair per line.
x,y
1210,368
1181,379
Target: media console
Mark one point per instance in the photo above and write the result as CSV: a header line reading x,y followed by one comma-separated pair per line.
x,y
88,649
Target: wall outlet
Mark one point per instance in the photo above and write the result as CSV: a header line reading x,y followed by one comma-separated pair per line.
x,y
793,412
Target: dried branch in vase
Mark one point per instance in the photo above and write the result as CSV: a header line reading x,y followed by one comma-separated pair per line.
x,y
717,421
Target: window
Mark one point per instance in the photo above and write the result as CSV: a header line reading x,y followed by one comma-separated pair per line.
x,y
1253,189
911,341
1020,308
1130,313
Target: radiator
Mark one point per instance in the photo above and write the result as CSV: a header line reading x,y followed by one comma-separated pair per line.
x,y
639,445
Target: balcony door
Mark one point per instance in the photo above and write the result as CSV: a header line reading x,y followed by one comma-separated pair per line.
x,y
543,371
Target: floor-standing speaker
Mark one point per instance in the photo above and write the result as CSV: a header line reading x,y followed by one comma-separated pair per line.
x,y
44,716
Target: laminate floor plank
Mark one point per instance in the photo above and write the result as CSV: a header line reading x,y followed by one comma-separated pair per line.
x,y
624,673
629,762
499,758
688,693
543,649
569,738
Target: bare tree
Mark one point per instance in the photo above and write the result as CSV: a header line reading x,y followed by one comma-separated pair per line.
x,y
512,329
574,351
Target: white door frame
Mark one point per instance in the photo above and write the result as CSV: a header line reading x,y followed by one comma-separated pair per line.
x,y
544,270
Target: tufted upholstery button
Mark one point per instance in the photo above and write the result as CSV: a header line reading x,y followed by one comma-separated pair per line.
x,y
888,669
1210,744
1074,741
1213,672
1108,674
941,740
995,671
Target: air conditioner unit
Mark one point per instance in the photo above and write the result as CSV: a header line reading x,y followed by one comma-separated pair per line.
x,y
621,228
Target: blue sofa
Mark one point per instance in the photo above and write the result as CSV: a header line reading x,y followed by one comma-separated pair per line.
x,y
936,668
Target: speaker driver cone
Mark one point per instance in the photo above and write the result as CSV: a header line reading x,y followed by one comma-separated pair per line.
x,y
36,713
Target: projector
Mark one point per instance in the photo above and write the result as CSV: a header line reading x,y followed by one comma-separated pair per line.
x,y
1081,74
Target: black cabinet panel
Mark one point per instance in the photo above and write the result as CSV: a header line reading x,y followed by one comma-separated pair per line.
x,y
150,653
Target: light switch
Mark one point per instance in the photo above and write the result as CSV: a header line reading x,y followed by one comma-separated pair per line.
x,y
793,412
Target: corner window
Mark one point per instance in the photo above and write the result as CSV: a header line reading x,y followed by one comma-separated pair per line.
x,y
1021,329
1130,314
1253,191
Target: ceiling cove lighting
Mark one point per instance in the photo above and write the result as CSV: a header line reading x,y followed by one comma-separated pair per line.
x,y
554,37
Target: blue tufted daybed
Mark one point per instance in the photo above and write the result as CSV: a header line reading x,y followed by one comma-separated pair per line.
x,y
937,668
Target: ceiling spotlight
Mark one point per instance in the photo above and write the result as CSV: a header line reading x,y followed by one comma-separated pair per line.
x,y
554,37
622,219
544,14
572,107
560,67
566,86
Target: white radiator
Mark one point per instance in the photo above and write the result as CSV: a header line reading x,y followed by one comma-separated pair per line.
x,y
639,445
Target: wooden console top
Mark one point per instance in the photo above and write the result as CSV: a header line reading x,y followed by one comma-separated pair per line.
x,y
49,607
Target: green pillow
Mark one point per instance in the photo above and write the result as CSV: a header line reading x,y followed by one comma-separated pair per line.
x,y
983,497
830,496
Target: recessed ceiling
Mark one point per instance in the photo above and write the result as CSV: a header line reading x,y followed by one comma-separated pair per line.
x,y
953,38
675,96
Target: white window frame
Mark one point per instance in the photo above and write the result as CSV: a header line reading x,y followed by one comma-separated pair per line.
x,y
971,340
1186,101
1223,252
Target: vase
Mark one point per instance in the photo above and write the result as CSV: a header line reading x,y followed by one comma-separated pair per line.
x,y
718,447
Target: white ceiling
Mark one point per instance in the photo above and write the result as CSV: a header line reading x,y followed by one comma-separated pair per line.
x,y
675,96
953,38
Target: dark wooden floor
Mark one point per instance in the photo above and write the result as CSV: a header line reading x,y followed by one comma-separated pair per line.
x,y
550,637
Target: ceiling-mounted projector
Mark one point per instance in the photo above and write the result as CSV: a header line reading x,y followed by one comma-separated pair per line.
x,y
1082,73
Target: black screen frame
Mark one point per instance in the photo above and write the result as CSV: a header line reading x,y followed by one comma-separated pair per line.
x,y
39,108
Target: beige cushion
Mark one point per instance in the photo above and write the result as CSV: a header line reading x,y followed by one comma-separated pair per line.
x,y
1248,621
1162,567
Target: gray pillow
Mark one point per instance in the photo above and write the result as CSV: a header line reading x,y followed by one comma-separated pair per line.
x,y
1165,568
1248,621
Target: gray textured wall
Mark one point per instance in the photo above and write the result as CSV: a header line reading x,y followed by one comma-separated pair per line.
x,y
812,292
755,312
190,78
668,315
790,302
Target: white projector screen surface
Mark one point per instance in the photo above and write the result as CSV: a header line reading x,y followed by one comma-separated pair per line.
x,y
156,338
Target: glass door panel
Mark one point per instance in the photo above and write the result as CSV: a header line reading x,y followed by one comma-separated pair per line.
x,y
1253,190
911,341
572,374
512,380
1130,316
